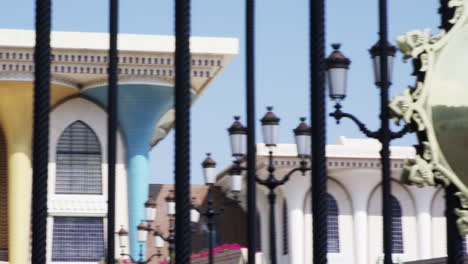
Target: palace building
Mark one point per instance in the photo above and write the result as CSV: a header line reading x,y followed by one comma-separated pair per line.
x,y
77,205
354,207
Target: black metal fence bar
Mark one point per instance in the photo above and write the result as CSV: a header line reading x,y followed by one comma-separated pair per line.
x,y
317,108
41,130
455,251
250,108
182,131
385,135
112,95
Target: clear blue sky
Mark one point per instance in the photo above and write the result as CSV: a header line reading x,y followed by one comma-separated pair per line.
x,y
282,60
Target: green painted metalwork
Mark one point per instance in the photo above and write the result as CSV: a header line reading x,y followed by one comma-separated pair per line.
x,y
437,107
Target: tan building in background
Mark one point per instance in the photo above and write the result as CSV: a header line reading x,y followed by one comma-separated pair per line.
x,y
230,226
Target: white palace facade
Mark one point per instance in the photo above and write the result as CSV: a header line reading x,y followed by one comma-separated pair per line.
x,y
354,200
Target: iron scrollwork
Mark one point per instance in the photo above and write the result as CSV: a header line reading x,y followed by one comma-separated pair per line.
x,y
434,163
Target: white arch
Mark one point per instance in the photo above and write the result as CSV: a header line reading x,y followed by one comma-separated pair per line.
x,y
79,108
345,221
409,224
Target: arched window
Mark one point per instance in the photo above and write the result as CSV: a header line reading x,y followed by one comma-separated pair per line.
x,y
285,229
333,243
78,161
397,229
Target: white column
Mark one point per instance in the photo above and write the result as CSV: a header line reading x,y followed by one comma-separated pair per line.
x,y
360,228
424,234
295,192
296,234
359,183
424,220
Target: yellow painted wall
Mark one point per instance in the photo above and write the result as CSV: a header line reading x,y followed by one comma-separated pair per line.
x,y
16,119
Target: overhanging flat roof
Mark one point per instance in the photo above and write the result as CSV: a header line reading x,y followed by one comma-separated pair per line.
x,y
126,42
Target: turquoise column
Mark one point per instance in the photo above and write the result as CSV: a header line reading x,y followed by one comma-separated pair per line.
x,y
141,106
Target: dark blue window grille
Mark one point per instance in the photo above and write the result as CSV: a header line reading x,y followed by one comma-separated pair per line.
x,y
285,229
333,242
397,228
78,161
463,238
78,239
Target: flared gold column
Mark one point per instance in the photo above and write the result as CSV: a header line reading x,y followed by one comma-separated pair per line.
x,y
16,113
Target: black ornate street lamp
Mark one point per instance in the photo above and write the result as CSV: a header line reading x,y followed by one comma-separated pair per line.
x,y
270,124
210,211
143,230
159,239
337,64
170,238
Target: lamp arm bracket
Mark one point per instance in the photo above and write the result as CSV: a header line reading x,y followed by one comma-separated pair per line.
x,y
165,238
406,129
199,209
260,181
237,166
151,257
128,255
288,175
338,114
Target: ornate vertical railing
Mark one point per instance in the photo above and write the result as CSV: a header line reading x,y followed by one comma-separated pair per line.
x,y
112,96
182,131
317,113
42,56
250,108
384,136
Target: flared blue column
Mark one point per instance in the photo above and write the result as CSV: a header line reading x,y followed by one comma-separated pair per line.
x,y
140,108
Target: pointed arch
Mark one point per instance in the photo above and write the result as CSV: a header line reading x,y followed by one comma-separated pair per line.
x,y
78,159
404,224
343,229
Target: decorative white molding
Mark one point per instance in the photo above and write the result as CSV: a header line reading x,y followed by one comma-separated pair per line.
x,y
77,205
82,67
